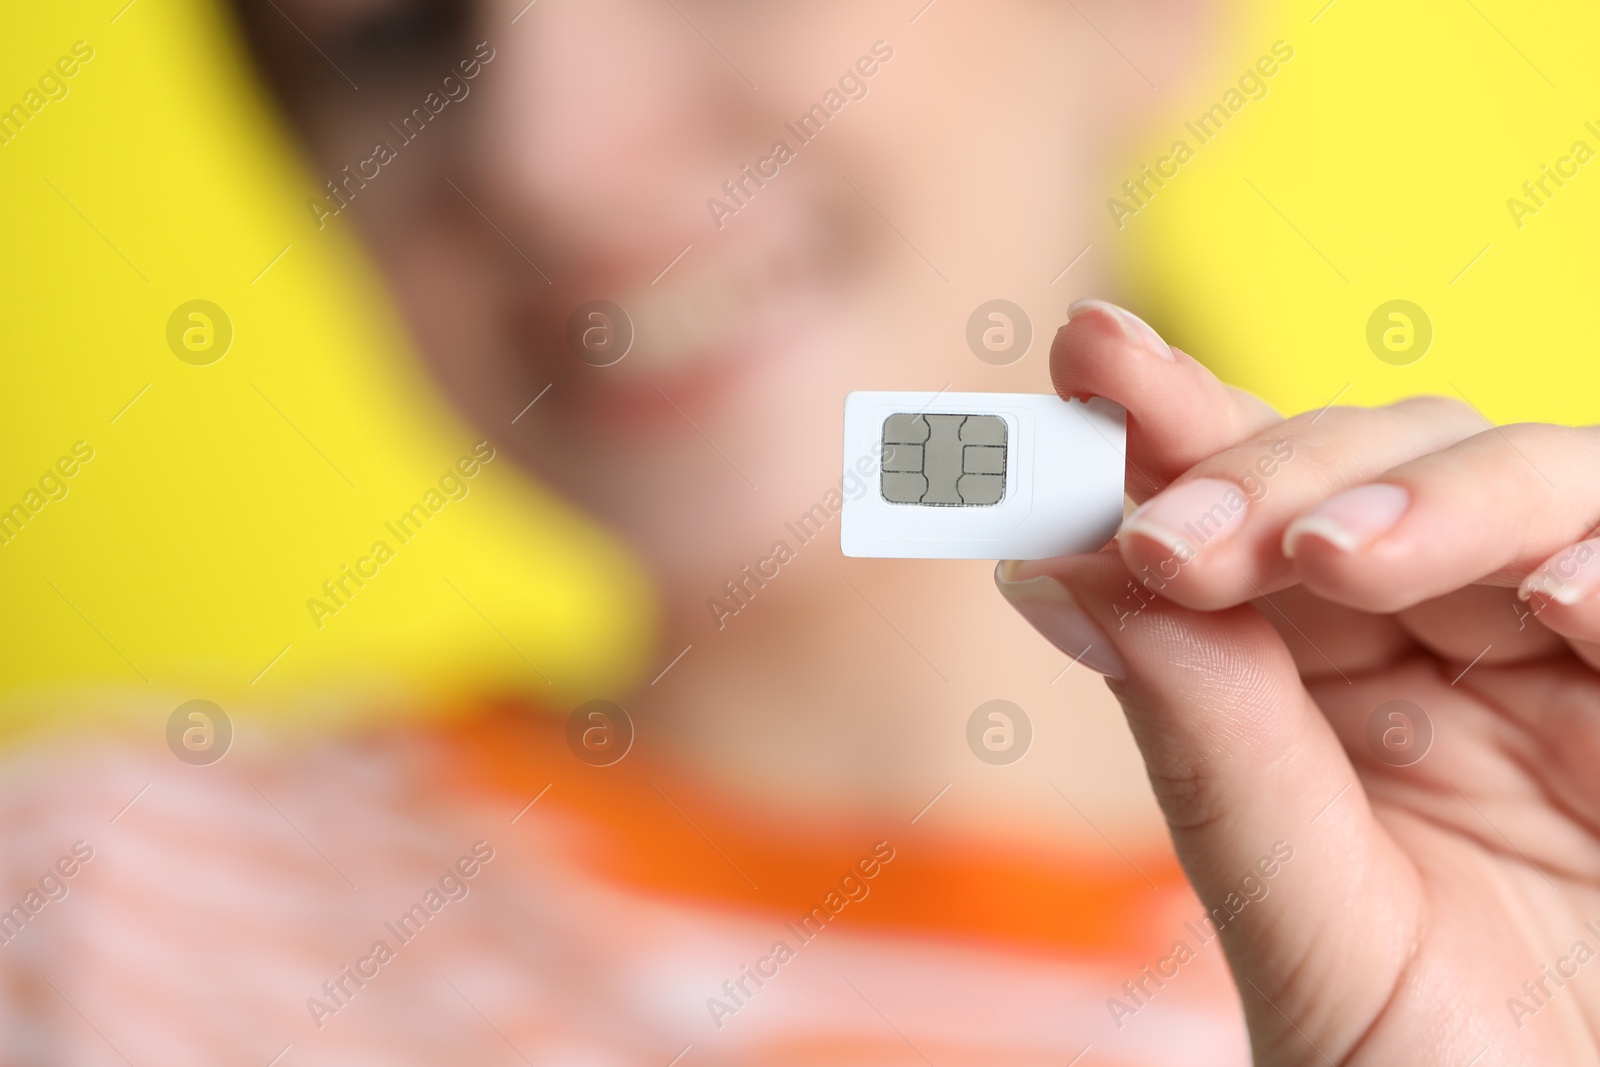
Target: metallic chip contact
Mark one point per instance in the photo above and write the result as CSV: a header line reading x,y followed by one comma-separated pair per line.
x,y
946,461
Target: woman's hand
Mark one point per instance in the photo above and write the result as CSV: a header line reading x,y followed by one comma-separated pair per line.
x,y
1367,638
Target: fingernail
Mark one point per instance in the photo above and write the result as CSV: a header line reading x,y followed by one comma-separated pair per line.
x,y
1351,520
1050,609
1569,576
1185,518
1133,327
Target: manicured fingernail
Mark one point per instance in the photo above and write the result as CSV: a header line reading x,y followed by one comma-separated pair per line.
x,y
1185,518
1047,605
1351,520
1569,576
1133,327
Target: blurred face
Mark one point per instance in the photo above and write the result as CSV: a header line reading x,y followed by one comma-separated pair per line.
x,y
786,200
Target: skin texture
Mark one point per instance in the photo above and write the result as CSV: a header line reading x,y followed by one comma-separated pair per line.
x,y
577,164
1419,897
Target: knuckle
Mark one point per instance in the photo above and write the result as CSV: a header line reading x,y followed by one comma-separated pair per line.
x,y
1249,404
1446,409
1334,417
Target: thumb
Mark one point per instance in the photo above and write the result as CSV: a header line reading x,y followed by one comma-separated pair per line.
x,y
1317,907
1178,411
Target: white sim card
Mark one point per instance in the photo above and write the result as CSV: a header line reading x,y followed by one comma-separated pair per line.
x,y
981,475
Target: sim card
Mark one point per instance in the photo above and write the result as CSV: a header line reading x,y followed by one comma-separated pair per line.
x,y
980,475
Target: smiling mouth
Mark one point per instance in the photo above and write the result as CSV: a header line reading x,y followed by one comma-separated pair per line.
x,y
721,312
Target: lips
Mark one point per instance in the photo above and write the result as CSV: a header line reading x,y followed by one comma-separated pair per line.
x,y
736,303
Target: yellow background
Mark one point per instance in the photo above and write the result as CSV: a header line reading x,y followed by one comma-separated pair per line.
x,y
1391,141
183,557
205,521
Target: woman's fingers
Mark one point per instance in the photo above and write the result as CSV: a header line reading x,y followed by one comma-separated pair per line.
x,y
1256,788
1487,509
1214,538
1178,412
1481,625
1239,503
1562,594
